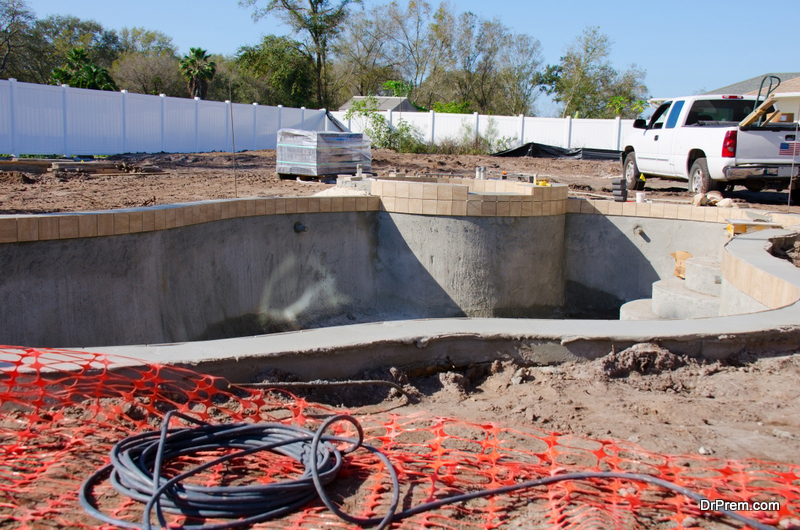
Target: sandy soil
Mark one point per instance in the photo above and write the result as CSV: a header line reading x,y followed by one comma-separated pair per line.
x,y
194,177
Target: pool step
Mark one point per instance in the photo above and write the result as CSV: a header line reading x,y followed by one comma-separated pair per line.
x,y
675,299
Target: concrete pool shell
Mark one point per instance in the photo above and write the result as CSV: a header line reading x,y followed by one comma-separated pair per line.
x,y
448,269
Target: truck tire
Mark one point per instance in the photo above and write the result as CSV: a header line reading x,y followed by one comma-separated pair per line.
x,y
699,179
631,173
795,195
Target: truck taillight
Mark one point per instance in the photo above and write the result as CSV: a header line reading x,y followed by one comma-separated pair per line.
x,y
729,144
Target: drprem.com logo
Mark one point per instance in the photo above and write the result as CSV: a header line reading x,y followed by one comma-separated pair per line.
x,y
739,506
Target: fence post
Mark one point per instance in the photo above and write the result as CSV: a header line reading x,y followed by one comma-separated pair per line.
x,y
521,129
64,117
11,93
477,125
433,124
325,118
618,131
255,126
303,118
196,124
163,98
228,124
568,139
124,92
390,117
280,116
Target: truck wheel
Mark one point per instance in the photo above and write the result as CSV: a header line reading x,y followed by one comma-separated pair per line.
x,y
795,195
632,174
699,179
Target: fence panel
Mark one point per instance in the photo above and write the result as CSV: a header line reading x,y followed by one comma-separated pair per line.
x,y
266,127
94,122
213,126
142,124
38,119
549,131
6,146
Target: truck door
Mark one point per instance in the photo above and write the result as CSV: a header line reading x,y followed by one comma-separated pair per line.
x,y
647,154
666,157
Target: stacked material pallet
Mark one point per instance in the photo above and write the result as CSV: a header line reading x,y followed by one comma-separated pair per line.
x,y
93,167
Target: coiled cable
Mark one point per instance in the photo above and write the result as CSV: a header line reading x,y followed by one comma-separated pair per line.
x,y
137,461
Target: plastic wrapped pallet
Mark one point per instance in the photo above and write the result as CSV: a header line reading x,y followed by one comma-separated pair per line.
x,y
318,153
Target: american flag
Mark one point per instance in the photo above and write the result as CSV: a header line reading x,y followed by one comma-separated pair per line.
x,y
789,148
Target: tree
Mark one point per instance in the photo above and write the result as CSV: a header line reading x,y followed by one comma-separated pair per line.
x,y
198,70
284,68
149,74
146,42
79,72
15,22
477,45
320,22
585,82
518,74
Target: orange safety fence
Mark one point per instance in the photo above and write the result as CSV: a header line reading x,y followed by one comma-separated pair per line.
x,y
62,411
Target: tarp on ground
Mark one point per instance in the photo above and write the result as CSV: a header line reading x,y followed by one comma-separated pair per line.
x,y
535,150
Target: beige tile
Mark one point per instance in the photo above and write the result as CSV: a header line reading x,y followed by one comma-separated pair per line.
x,y
601,206
642,209
180,218
490,186
537,209
402,189
415,190
148,221
516,209
291,204
710,215
8,230
488,208
377,187
241,208
349,204
698,213
474,207
198,214
68,227
503,198
136,222
504,209
657,210
122,223
216,211
684,211
270,204
261,207
586,207
388,204
415,206
48,227
429,207
401,204
430,192
325,204
547,208
373,204
478,185
527,208
443,207
575,205
28,228
250,207
361,204
105,224
188,215
280,206
459,208
337,204
313,204
670,211
614,208
629,209
460,193
302,205
538,193
444,192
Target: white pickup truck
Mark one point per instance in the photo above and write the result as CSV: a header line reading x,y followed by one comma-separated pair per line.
x,y
716,142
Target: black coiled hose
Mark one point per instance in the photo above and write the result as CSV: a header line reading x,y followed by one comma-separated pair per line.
x,y
136,464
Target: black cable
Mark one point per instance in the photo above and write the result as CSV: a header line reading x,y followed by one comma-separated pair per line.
x,y
136,464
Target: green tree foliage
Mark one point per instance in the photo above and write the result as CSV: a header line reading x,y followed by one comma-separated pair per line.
x,y
318,21
453,107
79,72
148,63
146,42
198,69
16,19
402,137
587,86
284,67
398,89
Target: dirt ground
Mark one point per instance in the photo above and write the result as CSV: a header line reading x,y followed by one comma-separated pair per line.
x,y
194,177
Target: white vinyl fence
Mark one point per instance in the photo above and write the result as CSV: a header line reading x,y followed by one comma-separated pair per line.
x,y
517,130
43,119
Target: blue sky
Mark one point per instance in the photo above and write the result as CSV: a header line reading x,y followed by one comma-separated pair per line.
x,y
685,46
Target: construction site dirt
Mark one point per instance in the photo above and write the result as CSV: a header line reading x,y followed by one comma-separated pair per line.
x,y
178,178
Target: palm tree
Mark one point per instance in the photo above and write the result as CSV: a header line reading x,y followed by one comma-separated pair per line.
x,y
198,71
79,72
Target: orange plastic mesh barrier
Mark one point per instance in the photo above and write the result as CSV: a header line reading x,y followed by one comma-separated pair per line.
x,y
62,411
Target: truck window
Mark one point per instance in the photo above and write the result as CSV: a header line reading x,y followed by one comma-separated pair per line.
x,y
659,116
719,110
674,113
